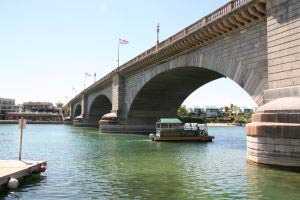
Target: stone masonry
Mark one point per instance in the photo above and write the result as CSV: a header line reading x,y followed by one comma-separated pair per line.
x,y
283,31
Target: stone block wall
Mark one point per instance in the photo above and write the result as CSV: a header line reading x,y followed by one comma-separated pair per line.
x,y
274,151
117,95
273,136
283,36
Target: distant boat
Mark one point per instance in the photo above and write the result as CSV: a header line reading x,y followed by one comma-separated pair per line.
x,y
173,129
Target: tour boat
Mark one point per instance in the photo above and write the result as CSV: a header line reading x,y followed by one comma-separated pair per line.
x,y
173,129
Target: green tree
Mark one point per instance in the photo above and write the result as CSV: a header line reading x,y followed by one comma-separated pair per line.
x,y
231,107
226,109
182,111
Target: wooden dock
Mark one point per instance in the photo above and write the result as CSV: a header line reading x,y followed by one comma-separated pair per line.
x,y
18,169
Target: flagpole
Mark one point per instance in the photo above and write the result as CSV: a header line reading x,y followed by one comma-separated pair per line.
x,y
118,53
84,84
157,34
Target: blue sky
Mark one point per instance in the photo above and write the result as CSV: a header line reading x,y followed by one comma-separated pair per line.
x,y
46,46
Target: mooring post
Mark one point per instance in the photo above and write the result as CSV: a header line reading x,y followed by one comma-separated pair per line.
x,y
22,124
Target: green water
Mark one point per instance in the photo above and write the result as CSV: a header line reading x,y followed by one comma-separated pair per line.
x,y
85,164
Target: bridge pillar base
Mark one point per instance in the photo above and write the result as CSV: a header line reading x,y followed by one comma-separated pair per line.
x,y
84,124
273,138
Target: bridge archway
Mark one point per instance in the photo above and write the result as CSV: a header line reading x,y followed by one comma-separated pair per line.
x,y
77,111
99,107
163,94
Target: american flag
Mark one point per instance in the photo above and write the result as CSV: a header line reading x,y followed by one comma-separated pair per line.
x,y
87,75
123,41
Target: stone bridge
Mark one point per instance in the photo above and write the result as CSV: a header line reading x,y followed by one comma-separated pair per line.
x,y
253,42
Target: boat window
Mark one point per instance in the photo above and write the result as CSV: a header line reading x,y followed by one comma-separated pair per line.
x,y
178,126
164,125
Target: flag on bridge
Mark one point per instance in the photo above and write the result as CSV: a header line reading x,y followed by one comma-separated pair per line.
x,y
123,41
87,75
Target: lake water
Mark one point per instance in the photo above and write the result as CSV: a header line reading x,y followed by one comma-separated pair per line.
x,y
86,164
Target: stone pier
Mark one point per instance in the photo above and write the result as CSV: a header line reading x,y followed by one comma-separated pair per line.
x,y
273,137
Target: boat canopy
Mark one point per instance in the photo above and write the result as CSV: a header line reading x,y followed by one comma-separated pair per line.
x,y
192,120
170,121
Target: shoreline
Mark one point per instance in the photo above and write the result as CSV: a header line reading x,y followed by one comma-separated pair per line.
x,y
62,122
30,122
224,124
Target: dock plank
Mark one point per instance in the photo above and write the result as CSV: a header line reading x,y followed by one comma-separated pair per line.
x,y
18,169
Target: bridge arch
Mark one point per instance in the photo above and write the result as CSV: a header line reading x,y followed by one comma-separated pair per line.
x,y
100,105
160,94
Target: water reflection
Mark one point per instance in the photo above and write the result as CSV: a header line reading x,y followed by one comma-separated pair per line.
x,y
266,183
137,168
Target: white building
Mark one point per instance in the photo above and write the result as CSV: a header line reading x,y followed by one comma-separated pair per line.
x,y
212,111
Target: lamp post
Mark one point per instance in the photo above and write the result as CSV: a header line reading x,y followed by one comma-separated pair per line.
x,y
157,33
74,91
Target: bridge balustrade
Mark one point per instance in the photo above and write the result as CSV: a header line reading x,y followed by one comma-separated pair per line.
x,y
163,44
153,49
177,36
238,3
221,11
195,25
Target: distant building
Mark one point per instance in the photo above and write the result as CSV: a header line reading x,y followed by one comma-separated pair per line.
x,y
247,110
212,111
35,116
197,110
7,105
221,112
38,107
32,111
